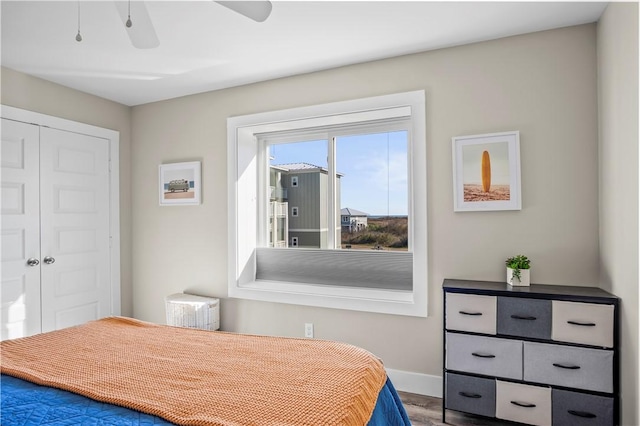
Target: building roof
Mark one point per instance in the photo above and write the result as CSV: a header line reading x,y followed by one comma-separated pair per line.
x,y
303,167
299,167
352,212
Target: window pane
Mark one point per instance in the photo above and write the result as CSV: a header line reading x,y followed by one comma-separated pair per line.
x,y
373,191
298,188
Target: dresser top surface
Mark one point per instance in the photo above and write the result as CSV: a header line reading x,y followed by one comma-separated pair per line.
x,y
534,290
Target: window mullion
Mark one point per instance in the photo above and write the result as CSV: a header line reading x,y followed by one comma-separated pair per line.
x,y
263,204
332,190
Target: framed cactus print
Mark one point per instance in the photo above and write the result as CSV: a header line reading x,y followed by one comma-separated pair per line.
x,y
486,172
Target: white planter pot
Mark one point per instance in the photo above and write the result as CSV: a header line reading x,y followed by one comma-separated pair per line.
x,y
524,281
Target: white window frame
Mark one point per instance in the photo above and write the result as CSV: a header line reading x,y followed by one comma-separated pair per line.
x,y
244,207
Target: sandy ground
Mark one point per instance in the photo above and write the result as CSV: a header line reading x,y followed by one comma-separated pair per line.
x,y
496,193
178,195
372,247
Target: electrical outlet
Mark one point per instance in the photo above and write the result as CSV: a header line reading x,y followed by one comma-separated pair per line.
x,y
308,330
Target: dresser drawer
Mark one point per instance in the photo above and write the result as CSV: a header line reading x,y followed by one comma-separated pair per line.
x,y
490,356
524,317
471,312
581,368
523,403
586,323
578,409
471,394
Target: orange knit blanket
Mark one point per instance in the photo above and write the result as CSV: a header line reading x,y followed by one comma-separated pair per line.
x,y
197,377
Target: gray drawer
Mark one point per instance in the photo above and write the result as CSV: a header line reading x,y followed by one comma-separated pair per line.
x,y
471,394
579,409
524,317
490,356
573,367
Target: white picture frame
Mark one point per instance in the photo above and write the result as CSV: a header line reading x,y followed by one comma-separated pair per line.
x,y
486,172
179,184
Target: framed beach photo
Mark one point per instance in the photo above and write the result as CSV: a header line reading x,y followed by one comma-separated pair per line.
x,y
486,172
179,183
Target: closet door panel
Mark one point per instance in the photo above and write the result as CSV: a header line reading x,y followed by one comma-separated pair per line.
x,y
74,186
19,157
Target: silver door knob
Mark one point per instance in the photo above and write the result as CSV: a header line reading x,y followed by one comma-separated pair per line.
x,y
33,262
48,260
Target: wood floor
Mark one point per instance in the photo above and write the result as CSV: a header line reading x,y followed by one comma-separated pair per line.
x,y
427,411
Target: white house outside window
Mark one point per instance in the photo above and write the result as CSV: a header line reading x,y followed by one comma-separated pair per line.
x,y
360,179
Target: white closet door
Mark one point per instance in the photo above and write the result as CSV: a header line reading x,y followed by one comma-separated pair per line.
x,y
74,206
20,284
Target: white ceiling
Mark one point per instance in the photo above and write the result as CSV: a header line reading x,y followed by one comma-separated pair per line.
x,y
205,46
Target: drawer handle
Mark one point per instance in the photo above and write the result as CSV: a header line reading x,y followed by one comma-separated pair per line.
x,y
567,366
481,355
523,317
470,395
475,314
584,414
584,324
523,404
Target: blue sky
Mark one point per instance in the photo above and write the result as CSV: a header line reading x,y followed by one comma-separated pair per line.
x,y
374,169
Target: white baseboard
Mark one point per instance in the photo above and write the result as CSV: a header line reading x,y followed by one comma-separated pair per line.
x,y
421,384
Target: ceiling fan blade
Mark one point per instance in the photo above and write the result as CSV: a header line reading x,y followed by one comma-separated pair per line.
x,y
259,11
142,33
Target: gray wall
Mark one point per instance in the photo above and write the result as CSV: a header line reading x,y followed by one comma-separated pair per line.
x,y
34,94
618,130
307,239
542,84
306,196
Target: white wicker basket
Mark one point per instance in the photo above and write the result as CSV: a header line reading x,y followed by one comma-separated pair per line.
x,y
188,310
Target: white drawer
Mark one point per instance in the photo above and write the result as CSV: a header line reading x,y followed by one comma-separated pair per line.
x,y
586,323
523,403
471,312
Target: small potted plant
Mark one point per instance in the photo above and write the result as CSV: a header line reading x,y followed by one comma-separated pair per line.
x,y
518,270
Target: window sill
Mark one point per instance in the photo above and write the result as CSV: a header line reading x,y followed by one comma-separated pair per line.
x,y
394,302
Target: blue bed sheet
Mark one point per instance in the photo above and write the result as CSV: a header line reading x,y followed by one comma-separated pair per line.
x,y
24,403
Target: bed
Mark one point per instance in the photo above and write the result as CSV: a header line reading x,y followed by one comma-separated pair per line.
x,y
122,371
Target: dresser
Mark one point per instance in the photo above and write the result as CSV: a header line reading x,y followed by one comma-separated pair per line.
x,y
540,355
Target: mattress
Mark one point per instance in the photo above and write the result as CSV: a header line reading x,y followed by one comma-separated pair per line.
x,y
28,404
190,377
